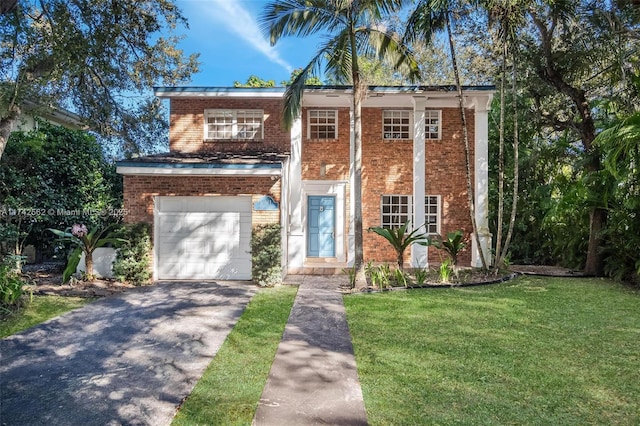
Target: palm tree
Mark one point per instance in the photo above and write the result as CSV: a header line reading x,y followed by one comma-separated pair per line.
x,y
429,17
507,16
354,29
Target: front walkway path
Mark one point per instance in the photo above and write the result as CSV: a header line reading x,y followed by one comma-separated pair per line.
x,y
124,360
313,379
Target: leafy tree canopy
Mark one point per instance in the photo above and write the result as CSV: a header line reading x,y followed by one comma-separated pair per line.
x,y
94,57
255,81
54,177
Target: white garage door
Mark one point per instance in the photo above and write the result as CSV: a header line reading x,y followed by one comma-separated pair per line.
x,y
203,238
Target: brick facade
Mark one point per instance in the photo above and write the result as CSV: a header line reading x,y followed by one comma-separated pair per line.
x,y
387,166
186,131
387,169
140,190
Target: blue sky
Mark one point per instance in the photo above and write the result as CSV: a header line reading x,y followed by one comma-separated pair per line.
x,y
232,47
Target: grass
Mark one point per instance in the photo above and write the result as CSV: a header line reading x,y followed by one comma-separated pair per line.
x,y
543,351
229,391
40,309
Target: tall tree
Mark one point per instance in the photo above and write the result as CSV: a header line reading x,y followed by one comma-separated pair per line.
x,y
506,16
354,29
573,50
429,17
92,57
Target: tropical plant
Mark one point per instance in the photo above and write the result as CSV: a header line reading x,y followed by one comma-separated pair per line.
x,y
85,241
421,276
401,277
399,239
11,286
133,257
428,18
507,16
445,270
452,245
379,275
354,29
621,144
351,275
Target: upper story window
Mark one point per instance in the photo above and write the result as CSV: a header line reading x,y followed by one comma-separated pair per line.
x,y
432,214
432,127
322,124
396,210
396,124
225,124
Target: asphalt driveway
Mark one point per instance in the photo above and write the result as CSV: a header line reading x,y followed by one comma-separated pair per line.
x,y
129,359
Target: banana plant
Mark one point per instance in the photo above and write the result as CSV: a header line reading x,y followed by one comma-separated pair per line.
x,y
85,241
400,239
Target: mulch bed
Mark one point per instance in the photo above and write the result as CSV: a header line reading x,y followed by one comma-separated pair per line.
x,y
46,279
549,271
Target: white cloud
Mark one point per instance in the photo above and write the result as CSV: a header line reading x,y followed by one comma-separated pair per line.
x,y
240,21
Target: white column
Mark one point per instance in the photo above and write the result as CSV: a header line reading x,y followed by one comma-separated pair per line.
x,y
351,238
481,165
296,243
418,252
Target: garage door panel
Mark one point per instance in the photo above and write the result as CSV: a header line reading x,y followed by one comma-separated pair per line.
x,y
203,237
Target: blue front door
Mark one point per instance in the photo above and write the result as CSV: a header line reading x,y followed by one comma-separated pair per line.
x,y
321,226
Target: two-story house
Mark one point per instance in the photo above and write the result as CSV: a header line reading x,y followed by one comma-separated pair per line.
x,y
233,166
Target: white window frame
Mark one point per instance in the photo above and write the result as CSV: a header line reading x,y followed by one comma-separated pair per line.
x,y
432,219
433,124
235,129
392,126
395,210
329,114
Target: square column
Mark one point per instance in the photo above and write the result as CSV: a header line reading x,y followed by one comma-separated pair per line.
x,y
419,255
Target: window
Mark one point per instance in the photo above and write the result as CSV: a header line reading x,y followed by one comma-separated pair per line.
x,y
432,129
234,124
432,214
396,210
396,124
323,124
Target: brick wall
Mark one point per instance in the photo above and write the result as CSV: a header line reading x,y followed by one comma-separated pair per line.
x,y
387,168
140,190
324,159
186,132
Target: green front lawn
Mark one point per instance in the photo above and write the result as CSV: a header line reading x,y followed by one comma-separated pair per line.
x,y
40,309
229,391
529,351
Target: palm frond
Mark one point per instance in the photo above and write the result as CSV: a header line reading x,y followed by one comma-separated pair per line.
x,y
621,141
390,49
301,18
426,19
294,92
339,58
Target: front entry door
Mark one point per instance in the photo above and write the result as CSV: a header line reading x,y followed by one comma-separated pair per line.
x,y
321,226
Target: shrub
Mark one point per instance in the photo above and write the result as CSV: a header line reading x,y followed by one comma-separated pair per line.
x,y
133,259
266,265
11,287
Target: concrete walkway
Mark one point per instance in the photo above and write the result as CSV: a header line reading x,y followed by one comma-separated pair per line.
x,y
313,379
124,360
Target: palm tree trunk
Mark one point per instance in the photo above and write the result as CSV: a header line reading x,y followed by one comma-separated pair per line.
x,y
465,134
516,165
501,158
359,92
